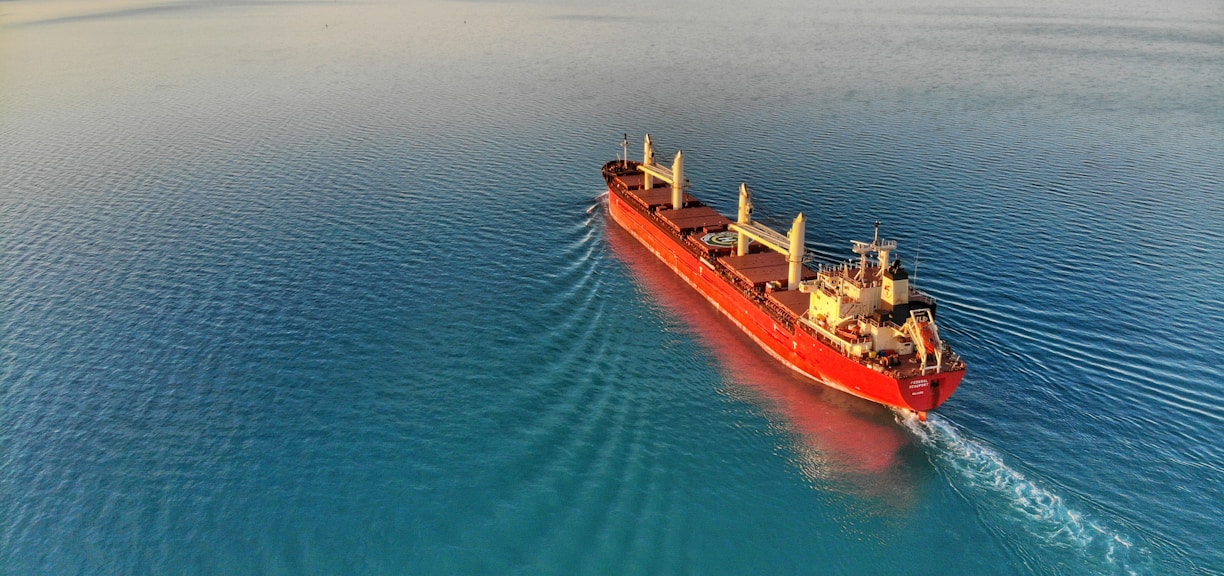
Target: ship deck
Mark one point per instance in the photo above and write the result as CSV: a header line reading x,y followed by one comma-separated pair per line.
x,y
762,268
696,219
794,301
757,273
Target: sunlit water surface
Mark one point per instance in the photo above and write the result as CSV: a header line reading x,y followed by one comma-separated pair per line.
x,y
328,288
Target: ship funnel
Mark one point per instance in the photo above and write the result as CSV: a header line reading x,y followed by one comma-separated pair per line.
x,y
678,182
648,159
794,256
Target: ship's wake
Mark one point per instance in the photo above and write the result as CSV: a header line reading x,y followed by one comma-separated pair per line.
x,y
597,204
1007,499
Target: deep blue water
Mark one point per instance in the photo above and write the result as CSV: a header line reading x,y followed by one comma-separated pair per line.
x,y
327,288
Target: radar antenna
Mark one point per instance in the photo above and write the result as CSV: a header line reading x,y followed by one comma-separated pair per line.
x,y
878,246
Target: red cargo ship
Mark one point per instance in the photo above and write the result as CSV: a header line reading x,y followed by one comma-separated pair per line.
x,y
859,326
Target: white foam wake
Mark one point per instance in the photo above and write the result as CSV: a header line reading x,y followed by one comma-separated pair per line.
x,y
1003,492
597,202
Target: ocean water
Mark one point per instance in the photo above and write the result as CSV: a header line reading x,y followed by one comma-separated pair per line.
x,y
328,287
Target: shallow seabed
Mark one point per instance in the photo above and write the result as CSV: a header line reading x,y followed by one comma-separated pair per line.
x,y
327,287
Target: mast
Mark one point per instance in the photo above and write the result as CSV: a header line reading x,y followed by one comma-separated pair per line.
x,y
794,256
648,160
745,217
877,246
678,181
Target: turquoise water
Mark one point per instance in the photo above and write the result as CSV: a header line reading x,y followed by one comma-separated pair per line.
x,y
327,288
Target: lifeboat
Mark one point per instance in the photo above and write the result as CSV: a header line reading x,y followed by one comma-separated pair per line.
x,y
928,336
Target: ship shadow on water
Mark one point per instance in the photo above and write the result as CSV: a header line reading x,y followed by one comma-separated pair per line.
x,y
840,442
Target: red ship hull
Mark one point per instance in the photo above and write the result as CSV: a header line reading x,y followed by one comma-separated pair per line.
x,y
796,347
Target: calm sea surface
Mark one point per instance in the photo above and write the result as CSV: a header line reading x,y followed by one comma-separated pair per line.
x,y
328,287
